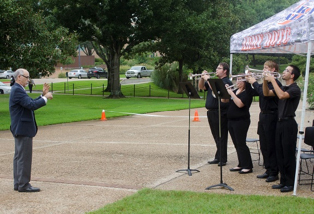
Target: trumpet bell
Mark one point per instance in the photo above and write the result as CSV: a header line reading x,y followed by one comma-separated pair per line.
x,y
258,74
191,76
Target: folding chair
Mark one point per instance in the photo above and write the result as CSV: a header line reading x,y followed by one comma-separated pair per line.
x,y
307,155
257,152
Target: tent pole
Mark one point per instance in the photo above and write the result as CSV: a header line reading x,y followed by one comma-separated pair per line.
x,y
231,58
301,130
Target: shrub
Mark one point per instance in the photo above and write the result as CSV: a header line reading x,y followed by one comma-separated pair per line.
x,y
62,75
167,76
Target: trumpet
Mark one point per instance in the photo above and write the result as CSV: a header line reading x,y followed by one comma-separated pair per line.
x,y
191,76
232,87
244,75
259,73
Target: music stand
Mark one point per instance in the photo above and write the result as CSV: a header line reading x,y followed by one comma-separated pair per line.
x,y
220,91
191,92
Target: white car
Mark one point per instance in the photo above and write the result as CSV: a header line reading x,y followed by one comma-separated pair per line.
x,y
138,72
77,73
4,89
6,74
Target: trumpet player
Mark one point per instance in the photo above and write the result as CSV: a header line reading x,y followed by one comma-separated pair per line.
x,y
222,72
286,128
238,123
268,117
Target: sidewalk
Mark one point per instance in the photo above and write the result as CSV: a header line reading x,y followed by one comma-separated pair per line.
x,y
83,166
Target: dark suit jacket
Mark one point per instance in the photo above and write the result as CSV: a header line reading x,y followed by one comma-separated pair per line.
x,y
22,108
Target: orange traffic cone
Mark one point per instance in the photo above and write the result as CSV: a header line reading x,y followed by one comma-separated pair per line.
x,y
196,119
103,115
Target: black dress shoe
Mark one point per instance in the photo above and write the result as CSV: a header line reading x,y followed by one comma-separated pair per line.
x,y
278,186
235,169
30,189
222,163
246,172
286,189
215,161
272,178
265,175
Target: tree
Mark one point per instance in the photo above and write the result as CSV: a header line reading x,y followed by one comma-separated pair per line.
x,y
110,25
29,40
87,48
196,34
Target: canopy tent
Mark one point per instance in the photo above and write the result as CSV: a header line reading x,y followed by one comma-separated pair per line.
x,y
290,31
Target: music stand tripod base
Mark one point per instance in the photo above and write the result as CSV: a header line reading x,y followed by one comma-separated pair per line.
x,y
222,185
188,170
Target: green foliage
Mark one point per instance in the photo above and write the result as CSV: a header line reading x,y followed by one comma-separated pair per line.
x,y
62,75
300,61
167,76
124,68
261,59
30,40
310,92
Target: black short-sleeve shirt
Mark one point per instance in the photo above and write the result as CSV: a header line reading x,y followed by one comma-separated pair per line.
x,y
287,107
212,102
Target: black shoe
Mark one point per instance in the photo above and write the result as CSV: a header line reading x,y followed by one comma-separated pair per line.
x,y
222,163
235,169
215,161
272,178
30,189
278,186
265,175
286,189
245,172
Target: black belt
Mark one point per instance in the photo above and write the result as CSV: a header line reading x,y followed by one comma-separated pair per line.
x,y
285,118
269,112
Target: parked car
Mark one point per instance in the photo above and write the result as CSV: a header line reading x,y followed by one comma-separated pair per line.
x,y
138,71
77,73
6,74
97,72
4,89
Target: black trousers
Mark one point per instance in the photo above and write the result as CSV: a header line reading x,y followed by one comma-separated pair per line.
x,y
213,120
286,140
30,88
267,136
22,162
238,131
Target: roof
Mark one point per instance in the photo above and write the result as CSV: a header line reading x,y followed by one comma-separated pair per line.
x,y
286,32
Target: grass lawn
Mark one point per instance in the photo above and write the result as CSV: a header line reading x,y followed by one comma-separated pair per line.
x,y
149,201
69,108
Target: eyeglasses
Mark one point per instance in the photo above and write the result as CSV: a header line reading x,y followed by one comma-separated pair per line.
x,y
27,77
219,68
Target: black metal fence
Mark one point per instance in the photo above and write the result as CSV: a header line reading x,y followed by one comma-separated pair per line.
x,y
133,90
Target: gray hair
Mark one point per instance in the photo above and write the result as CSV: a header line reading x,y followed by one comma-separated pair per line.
x,y
18,72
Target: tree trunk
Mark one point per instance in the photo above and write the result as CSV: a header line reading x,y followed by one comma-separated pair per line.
x,y
115,76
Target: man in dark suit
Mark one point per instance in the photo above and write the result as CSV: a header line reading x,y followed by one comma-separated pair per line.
x,y
24,128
